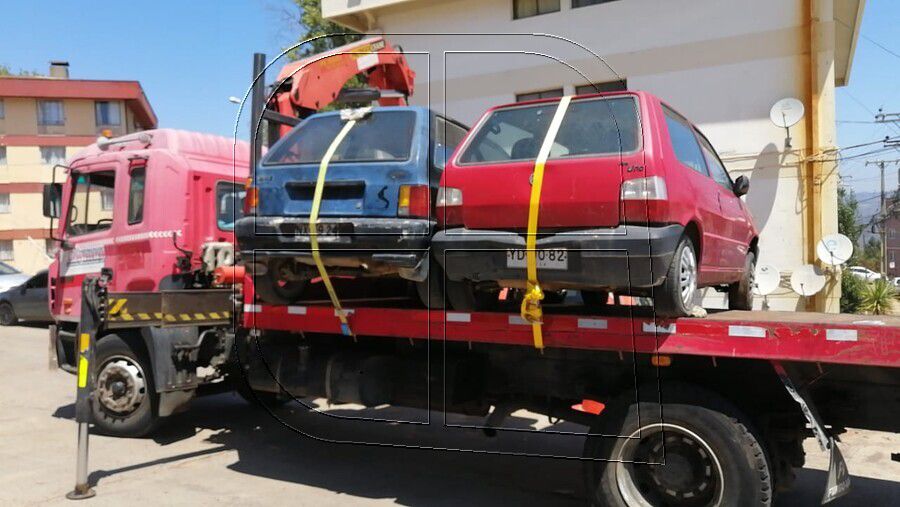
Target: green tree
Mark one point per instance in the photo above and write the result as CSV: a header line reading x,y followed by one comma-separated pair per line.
x,y
871,255
848,215
5,70
312,24
852,289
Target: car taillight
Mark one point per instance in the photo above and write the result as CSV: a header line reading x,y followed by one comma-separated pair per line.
x,y
449,203
414,201
645,189
251,198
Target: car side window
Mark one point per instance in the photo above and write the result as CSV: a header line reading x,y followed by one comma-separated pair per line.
x,y
446,137
684,142
136,195
716,169
38,281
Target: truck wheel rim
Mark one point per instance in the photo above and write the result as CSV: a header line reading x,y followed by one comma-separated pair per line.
x,y
121,385
687,276
667,464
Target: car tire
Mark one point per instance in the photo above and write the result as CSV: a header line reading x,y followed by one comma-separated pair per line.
x,y
464,297
278,292
131,408
595,299
740,294
7,314
697,435
677,295
431,290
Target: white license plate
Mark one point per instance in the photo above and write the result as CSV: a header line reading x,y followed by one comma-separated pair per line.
x,y
557,258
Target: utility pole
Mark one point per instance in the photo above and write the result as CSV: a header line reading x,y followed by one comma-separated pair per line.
x,y
882,212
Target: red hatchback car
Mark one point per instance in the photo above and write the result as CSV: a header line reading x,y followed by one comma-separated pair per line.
x,y
634,201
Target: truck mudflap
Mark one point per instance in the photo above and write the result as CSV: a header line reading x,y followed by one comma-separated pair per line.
x,y
838,481
209,307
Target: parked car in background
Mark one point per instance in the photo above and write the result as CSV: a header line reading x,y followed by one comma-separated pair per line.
x,y
376,216
10,276
864,273
26,302
635,200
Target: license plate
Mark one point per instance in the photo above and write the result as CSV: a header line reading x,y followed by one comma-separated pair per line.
x,y
557,258
325,230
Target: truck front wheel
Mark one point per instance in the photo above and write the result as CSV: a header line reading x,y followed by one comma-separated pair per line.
x,y
125,400
692,456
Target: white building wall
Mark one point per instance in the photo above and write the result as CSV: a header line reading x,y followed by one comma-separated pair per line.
x,y
721,63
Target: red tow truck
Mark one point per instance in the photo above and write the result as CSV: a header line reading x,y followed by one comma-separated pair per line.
x,y
687,411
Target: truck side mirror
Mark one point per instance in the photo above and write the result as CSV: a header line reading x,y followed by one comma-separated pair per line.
x,y
741,186
52,200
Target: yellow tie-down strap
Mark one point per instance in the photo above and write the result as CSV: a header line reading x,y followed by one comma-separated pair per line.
x,y
313,220
531,303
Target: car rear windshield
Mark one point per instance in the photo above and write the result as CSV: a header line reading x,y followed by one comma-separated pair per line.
x,y
600,126
380,136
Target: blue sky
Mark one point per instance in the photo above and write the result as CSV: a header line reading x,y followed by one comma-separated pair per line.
x,y
191,56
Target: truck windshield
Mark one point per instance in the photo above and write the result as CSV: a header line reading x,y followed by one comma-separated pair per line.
x,y
381,136
229,204
603,126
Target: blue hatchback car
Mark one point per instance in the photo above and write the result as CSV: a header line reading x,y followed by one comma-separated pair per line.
x,y
376,217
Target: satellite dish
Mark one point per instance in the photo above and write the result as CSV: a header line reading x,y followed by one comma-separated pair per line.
x,y
834,249
787,112
807,280
766,280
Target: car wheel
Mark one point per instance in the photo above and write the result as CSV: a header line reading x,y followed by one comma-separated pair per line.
x,y
464,297
595,299
278,292
7,314
126,403
693,456
677,295
740,294
431,290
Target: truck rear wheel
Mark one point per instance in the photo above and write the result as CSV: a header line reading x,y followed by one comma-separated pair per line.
x,y
702,457
126,403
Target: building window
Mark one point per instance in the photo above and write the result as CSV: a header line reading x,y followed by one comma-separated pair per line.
x,y
2,109
50,112
2,155
4,203
543,94
584,3
107,113
6,250
51,246
136,195
528,8
609,86
892,232
53,155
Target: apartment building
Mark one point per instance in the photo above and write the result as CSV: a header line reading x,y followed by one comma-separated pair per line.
x,y
43,122
722,63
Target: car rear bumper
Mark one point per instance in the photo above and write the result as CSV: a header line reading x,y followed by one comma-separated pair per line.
x,y
378,244
612,258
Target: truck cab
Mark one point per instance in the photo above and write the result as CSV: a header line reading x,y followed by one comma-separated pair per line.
x,y
157,208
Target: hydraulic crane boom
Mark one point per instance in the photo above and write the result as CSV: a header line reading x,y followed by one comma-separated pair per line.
x,y
309,85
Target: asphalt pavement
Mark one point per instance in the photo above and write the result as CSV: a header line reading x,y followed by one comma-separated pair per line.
x,y
225,451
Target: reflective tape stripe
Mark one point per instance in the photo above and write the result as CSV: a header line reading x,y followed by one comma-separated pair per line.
x,y
253,308
82,372
84,342
841,335
747,331
117,306
592,323
516,320
652,327
458,317
297,310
